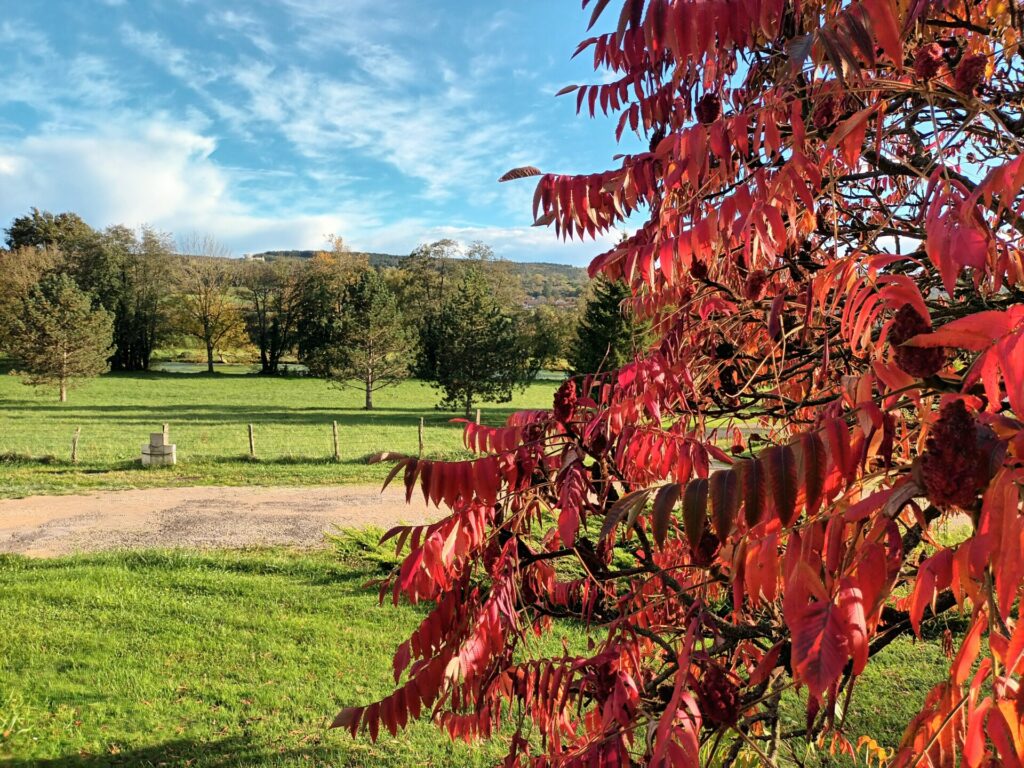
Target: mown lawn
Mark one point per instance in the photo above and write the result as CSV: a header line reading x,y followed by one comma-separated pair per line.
x,y
240,659
218,659
208,417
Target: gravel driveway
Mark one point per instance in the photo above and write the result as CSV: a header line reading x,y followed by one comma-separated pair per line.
x,y
202,517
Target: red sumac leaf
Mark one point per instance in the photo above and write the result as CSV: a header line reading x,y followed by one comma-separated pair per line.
x,y
695,510
811,461
395,470
724,486
780,472
627,507
751,473
385,456
934,575
349,718
523,172
664,503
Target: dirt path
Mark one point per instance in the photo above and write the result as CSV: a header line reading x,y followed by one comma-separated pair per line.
x,y
205,517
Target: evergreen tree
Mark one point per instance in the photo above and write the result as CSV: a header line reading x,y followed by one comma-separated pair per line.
x,y
475,348
60,337
607,336
368,344
42,229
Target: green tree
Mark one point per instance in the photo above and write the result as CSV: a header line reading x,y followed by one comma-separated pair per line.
x,y
323,294
206,308
475,349
368,344
607,336
273,292
60,337
22,269
42,229
428,277
550,332
129,275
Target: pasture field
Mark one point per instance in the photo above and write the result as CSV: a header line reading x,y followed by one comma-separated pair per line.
x,y
231,659
209,417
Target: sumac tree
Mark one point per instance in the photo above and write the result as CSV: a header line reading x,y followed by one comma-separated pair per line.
x,y
831,260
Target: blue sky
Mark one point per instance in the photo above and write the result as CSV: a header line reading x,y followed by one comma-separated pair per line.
x,y
272,123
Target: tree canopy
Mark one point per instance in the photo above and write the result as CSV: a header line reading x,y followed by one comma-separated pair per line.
x,y
58,337
367,344
473,348
829,255
607,336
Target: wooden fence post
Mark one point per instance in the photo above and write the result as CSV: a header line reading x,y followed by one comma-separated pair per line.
x,y
252,443
421,437
74,445
334,433
167,434
478,417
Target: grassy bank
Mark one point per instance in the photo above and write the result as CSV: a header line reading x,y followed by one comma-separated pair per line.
x,y
238,659
203,660
209,416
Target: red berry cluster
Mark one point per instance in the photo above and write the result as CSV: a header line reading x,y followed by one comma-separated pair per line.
x,y
951,465
928,61
825,113
719,697
919,362
708,109
969,73
753,289
565,401
706,550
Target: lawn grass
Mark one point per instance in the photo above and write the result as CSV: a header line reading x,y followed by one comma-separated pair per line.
x,y
234,659
214,659
208,417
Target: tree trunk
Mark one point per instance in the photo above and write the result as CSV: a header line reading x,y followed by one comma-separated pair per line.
x,y
63,390
469,406
369,394
209,358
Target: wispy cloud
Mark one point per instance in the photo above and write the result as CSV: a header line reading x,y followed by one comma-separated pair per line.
x,y
274,122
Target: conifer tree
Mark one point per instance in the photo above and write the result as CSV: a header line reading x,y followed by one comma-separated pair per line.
x,y
607,335
60,337
368,345
476,348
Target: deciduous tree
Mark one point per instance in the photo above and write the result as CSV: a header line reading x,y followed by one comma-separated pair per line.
x,y
22,269
206,307
830,256
59,337
273,293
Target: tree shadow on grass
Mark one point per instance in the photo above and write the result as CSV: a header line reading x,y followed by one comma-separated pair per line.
x,y
233,752
219,413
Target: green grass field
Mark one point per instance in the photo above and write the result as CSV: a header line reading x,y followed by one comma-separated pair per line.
x,y
208,417
241,659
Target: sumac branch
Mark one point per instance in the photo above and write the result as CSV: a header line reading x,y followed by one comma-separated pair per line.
x,y
831,259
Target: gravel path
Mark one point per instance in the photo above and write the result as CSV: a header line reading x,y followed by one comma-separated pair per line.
x,y
203,517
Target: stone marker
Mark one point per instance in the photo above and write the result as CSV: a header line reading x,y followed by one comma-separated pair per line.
x,y
160,452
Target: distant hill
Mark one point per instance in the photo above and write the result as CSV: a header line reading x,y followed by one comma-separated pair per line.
x,y
543,282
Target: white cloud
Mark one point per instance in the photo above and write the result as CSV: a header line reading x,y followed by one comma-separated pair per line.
x,y
155,173
163,174
326,103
